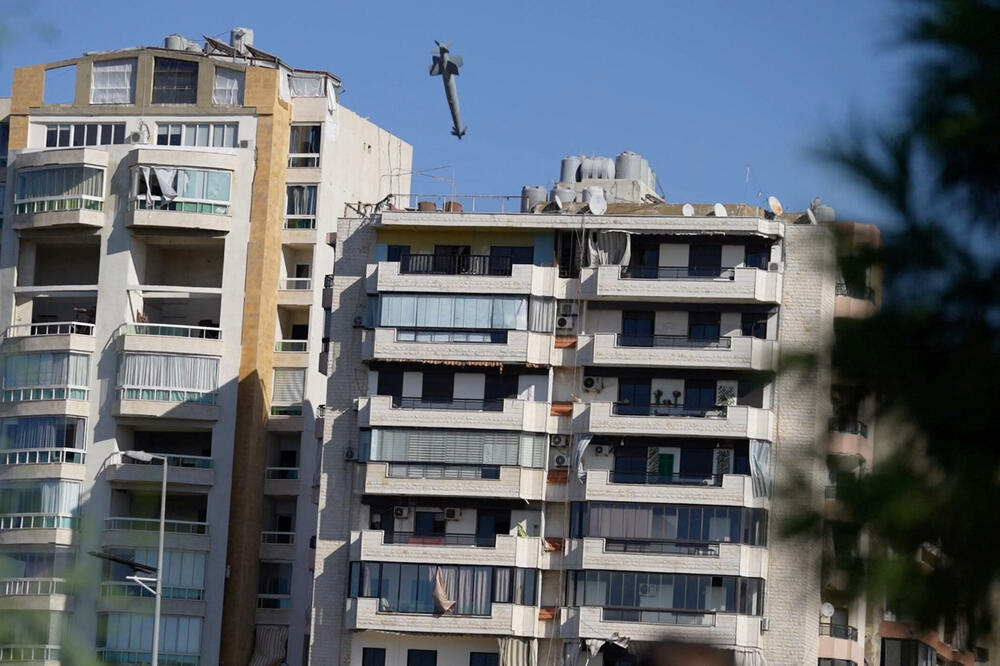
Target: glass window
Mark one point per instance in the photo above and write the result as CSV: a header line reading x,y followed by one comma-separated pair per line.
x,y
228,86
637,328
395,252
304,146
113,82
421,657
372,656
633,396
84,134
484,659
703,325
175,81
205,135
754,324
59,188
300,207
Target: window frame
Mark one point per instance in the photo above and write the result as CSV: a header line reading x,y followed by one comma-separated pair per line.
x,y
309,159
22,205
192,66
184,129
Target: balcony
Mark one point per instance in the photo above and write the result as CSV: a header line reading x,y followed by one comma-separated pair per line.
x,y
425,479
854,302
35,654
721,490
60,189
170,339
277,545
38,528
500,550
144,533
850,439
507,414
655,624
681,284
505,620
501,346
739,421
291,353
49,456
447,274
49,336
145,402
693,557
192,473
39,594
281,480
840,641
295,291
677,351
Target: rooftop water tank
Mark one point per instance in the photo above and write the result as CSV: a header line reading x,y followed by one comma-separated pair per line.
x,y
597,168
241,38
174,42
565,194
569,170
531,195
592,192
628,166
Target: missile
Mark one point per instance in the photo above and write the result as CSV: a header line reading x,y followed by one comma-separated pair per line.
x,y
446,66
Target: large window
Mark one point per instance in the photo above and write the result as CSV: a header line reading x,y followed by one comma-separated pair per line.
x,y
274,586
454,447
421,658
372,656
113,82
469,590
188,190
184,572
287,392
304,146
228,86
128,638
484,659
447,311
62,135
168,378
205,135
300,207
896,652
59,188
40,439
43,562
46,376
175,81
46,497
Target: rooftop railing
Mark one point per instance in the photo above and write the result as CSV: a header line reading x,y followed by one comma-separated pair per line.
x,y
467,203
719,342
676,272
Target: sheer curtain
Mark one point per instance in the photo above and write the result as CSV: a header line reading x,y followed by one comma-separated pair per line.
x,y
306,86
195,373
60,182
228,87
42,432
301,200
760,467
445,311
46,496
46,369
113,82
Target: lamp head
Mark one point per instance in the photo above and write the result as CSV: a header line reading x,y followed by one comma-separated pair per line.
x,y
141,456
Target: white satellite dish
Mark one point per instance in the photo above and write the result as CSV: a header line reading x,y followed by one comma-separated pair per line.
x,y
598,206
775,205
827,609
811,215
687,210
720,210
557,201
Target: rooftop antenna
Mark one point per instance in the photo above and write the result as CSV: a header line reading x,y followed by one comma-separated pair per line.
x,y
775,205
687,210
557,201
719,210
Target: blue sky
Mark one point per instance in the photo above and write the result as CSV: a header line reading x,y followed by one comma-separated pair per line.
x,y
702,89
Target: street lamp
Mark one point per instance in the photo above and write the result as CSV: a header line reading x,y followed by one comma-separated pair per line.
x,y
145,457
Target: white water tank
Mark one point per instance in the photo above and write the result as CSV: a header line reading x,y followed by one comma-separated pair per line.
x,y
569,170
592,192
174,42
824,213
600,168
628,165
531,195
241,38
565,194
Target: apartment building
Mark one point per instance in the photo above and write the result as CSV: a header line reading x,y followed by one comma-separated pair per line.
x,y
169,226
554,426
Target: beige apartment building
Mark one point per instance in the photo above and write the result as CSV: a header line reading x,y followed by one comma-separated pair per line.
x,y
167,232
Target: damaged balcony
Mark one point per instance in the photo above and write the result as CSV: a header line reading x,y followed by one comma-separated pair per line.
x,y
652,625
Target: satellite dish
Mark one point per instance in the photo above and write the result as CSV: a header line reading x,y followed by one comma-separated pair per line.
x,y
557,201
827,609
811,215
687,210
720,210
775,205
598,206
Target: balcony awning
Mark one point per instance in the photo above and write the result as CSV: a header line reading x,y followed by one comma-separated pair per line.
x,y
269,645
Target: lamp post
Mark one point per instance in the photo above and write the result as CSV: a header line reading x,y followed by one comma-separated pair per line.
x,y
143,456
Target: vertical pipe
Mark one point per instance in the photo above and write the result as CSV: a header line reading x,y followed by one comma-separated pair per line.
x,y
159,568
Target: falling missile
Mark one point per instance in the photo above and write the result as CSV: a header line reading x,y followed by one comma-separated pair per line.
x,y
446,66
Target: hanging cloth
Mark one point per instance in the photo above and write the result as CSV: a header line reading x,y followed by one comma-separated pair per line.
x,y
579,448
442,604
760,467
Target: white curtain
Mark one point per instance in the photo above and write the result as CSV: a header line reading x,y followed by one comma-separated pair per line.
x,y
748,657
113,82
609,248
470,587
458,447
579,448
301,200
44,496
42,432
541,314
306,86
760,467
289,386
228,87
46,369
446,311
518,651
60,182
169,371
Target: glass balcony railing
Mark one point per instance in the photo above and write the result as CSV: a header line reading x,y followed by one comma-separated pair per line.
x,y
172,331
414,539
668,547
38,521
49,328
295,284
153,525
173,460
676,272
32,653
286,410
271,537
291,345
33,393
33,587
135,657
41,456
658,616
282,473
121,588
165,395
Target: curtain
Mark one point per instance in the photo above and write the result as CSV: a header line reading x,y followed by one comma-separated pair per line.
x,y
199,184
579,448
747,657
518,651
46,369
44,496
442,602
289,386
458,311
609,248
503,581
304,139
169,371
178,634
113,82
181,568
228,87
166,178
533,448
541,314
453,447
306,86
60,182
270,643
42,432
760,467
284,91
301,200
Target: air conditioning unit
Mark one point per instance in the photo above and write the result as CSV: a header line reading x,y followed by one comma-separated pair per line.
x,y
593,383
765,624
559,441
452,513
560,461
400,511
350,454
135,137
244,143
565,323
568,309
774,266
599,450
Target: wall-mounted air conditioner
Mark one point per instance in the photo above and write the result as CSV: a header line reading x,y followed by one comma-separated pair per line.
x,y
400,511
566,324
452,513
774,266
593,383
560,461
350,454
559,441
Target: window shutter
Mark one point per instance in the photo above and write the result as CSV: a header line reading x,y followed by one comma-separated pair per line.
x,y
288,386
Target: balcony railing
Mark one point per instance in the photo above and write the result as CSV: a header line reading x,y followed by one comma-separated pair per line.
x,y
33,587
172,331
658,616
153,525
274,601
446,264
300,222
469,203
855,291
120,588
295,284
671,547
719,342
45,393
283,473
136,657
838,631
57,203
195,462
179,204
676,272
278,537
465,404
41,456
164,395
413,539
830,492
629,409
652,478
432,335
286,410
415,470
38,521
291,345
303,160
849,427
49,328
32,653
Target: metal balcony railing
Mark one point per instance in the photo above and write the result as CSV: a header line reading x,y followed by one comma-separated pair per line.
x,y
284,473
153,525
838,631
719,342
855,291
444,264
172,331
676,272
653,478
42,456
469,203
49,328
658,616
416,470
630,409
464,404
669,547
413,539
432,335
277,537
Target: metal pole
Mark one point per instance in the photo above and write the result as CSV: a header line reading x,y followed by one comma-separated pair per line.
x,y
159,568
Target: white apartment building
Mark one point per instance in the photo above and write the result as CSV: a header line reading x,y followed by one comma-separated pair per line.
x,y
171,218
553,429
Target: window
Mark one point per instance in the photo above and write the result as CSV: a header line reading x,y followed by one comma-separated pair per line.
x,y
42,432
304,85
699,393
84,134
175,81
457,447
372,656
228,86
46,376
289,384
4,141
395,252
635,527
517,254
484,659
633,396
168,378
304,146
205,135
428,523
421,657
59,188
390,382
46,496
122,635
453,311
754,324
703,326
188,190
300,207
637,328
704,260
60,85
757,255
408,588
184,570
274,586
113,82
